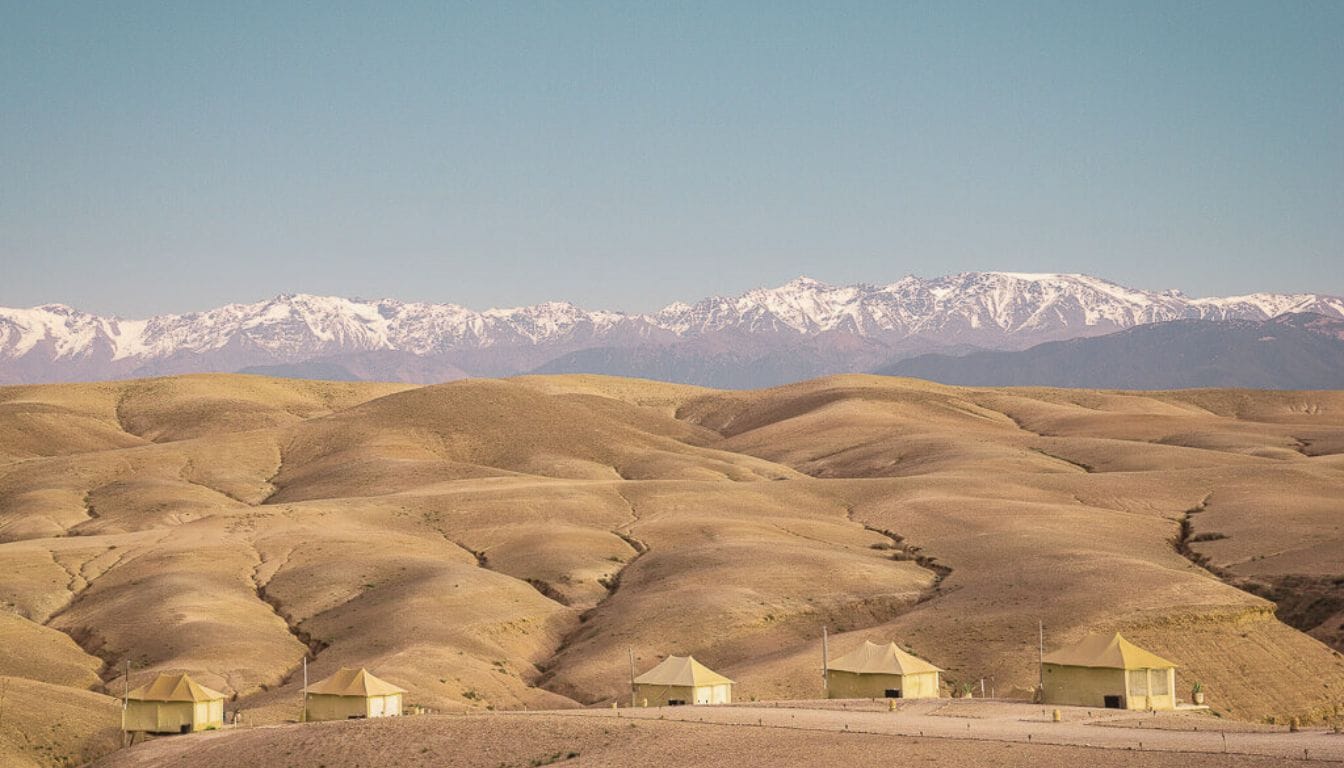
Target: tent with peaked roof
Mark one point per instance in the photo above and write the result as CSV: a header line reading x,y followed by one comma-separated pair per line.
x,y
874,671
682,680
172,704
352,692
1108,671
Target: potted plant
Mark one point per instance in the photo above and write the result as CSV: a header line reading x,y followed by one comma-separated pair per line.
x,y
1197,693
967,691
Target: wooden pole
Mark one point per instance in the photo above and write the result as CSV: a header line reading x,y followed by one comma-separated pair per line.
x,y
825,664
125,691
631,651
1040,650
303,718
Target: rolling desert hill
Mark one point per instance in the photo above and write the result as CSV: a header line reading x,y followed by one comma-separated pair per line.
x,y
507,543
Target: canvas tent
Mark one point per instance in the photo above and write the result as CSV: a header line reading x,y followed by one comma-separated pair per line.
x,y
172,704
874,671
1108,671
351,693
682,680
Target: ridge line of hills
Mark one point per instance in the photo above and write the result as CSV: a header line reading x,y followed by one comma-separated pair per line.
x,y
763,337
476,542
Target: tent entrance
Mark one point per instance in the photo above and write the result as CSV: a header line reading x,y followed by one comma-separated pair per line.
x,y
893,693
1111,702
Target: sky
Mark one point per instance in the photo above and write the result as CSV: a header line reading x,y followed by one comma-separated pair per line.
x,y
159,157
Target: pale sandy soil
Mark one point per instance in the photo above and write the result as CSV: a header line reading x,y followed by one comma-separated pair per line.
x,y
1013,723
597,739
508,544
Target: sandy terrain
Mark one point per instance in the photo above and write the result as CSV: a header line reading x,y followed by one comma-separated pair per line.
x,y
721,736
506,544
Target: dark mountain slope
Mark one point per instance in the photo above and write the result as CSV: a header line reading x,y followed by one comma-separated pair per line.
x,y
1292,351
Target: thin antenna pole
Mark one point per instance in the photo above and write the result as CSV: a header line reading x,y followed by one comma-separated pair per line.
x,y
126,692
631,651
305,688
1040,648
825,664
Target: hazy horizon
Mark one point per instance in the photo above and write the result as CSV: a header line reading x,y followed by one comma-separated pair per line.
x,y
645,310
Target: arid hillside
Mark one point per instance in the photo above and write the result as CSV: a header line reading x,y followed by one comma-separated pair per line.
x,y
508,543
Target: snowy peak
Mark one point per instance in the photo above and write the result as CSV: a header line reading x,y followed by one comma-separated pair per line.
x,y
994,310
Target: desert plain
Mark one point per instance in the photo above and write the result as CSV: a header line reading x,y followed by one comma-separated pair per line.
x,y
498,547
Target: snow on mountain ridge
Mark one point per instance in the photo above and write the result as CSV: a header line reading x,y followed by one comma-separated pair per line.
x,y
989,309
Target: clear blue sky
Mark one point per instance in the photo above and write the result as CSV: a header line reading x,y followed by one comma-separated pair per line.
x,y
174,156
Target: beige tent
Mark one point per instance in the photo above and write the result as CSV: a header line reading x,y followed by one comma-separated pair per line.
x,y
352,693
874,671
1108,671
172,704
682,680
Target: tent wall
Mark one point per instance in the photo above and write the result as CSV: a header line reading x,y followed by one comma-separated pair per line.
x,y
1152,688
924,685
855,685
170,716
385,706
714,694
1083,686
1089,687
141,716
660,695
327,707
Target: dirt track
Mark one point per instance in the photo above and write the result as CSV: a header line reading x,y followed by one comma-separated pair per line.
x,y
951,719
951,734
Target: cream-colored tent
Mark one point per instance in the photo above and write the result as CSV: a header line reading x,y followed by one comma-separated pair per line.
x,y
350,693
682,680
172,704
874,671
1108,671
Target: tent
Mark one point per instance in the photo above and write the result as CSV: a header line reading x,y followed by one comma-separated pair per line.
x,y
350,693
874,671
1108,671
682,680
172,704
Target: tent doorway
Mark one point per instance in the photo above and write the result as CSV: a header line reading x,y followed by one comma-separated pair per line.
x,y
1111,702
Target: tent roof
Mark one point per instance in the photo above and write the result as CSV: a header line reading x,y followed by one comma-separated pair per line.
x,y
1107,651
681,671
174,688
354,681
889,659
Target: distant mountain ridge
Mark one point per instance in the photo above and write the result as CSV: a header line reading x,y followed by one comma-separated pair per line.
x,y
765,336
1291,351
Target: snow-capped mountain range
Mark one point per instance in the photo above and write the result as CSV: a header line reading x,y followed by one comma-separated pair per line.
x,y
827,328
